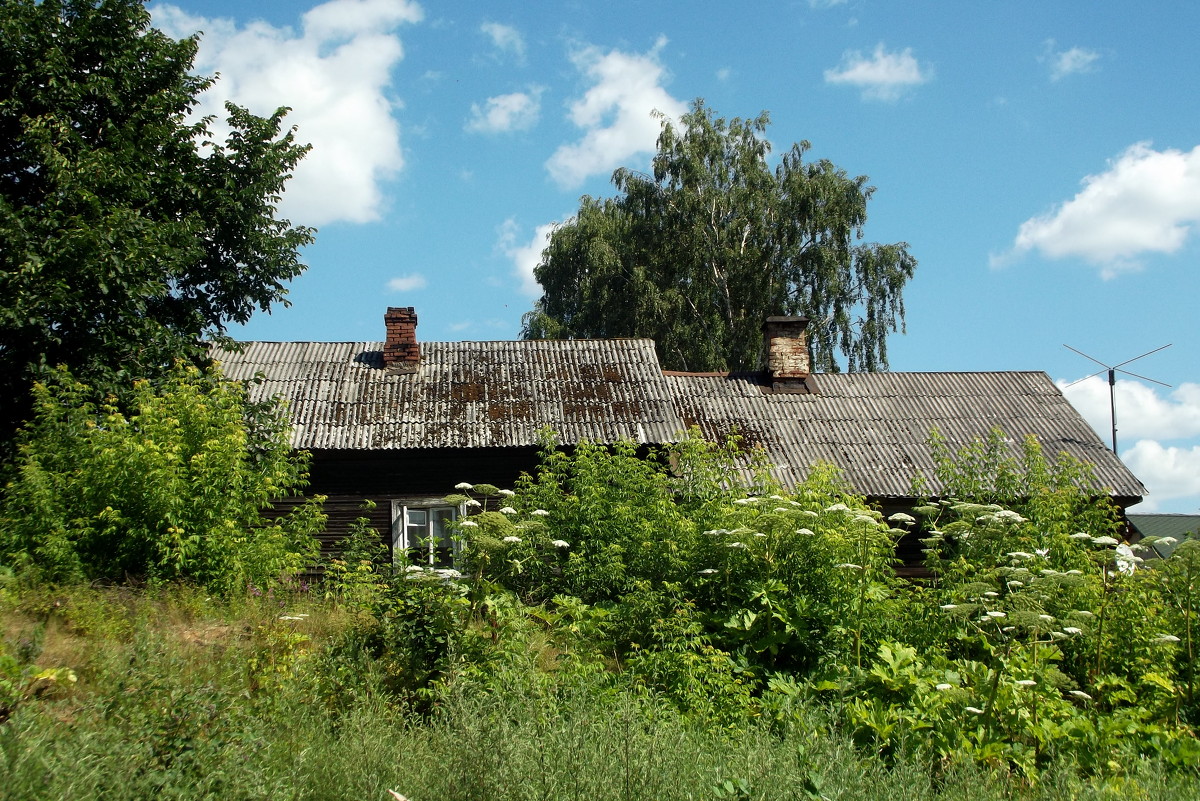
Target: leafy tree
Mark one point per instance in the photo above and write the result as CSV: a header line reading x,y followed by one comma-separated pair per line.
x,y
699,253
176,489
127,235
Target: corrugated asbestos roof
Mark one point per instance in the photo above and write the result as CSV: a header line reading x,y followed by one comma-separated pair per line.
x,y
874,426
464,394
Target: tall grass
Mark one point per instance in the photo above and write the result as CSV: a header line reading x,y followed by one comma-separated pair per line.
x,y
183,698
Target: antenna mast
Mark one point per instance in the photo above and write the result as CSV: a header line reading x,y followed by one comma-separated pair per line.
x,y
1113,369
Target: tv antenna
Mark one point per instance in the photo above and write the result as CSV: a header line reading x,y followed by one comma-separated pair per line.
x,y
1113,369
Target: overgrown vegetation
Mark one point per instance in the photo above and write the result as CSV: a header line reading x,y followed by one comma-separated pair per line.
x,y
178,488
640,628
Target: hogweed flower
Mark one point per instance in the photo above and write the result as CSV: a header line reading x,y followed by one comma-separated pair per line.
x,y
539,513
1166,638
507,510
837,507
1026,682
462,485
1072,630
974,710
996,614
708,571
850,566
507,493
901,517
560,543
1079,535
469,524
1105,540
472,502
1081,694
948,607
806,532
736,545
512,538
943,687
1126,561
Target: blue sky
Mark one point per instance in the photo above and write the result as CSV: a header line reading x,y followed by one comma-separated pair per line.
x,y
1042,159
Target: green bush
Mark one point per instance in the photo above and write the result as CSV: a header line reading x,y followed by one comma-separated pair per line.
x,y
180,486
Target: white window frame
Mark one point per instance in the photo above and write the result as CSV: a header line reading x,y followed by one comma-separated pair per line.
x,y
405,539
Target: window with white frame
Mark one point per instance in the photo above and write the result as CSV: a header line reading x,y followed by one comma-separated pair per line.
x,y
421,531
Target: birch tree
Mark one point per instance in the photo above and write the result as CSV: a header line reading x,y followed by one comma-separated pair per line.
x,y
697,254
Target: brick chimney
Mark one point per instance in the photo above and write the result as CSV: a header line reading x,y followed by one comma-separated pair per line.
x,y
785,343
401,353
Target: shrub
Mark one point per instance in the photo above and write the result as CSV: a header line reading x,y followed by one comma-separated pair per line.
x,y
178,487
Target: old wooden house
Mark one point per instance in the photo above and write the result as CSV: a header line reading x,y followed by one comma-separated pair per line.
x,y
400,422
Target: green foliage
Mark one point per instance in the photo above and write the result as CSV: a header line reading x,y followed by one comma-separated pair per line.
x,y
354,575
174,490
221,700
1039,635
127,234
695,579
626,624
697,255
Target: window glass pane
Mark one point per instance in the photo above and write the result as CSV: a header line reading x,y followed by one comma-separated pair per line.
x,y
444,547
416,524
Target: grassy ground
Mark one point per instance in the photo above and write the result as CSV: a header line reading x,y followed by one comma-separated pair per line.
x,y
179,696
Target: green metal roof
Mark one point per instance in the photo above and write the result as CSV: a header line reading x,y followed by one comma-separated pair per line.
x,y
1180,527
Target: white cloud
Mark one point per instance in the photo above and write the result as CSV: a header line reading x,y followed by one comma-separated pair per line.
x,y
512,112
524,256
505,38
1142,411
335,76
407,283
1169,473
1075,61
1145,202
1149,417
615,113
883,75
